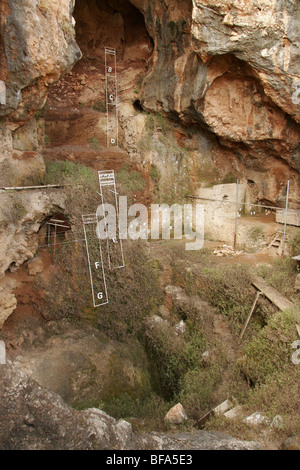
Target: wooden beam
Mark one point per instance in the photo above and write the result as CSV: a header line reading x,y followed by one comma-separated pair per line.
x,y
23,188
272,294
250,314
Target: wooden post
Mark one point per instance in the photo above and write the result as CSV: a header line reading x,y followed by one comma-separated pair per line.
x,y
250,314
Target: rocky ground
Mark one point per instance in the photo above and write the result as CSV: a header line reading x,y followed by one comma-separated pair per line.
x,y
33,418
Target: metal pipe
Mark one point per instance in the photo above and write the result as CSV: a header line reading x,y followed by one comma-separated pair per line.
x,y
285,218
236,212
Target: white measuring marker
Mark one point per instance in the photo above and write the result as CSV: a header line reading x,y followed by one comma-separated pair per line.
x,y
2,353
111,97
108,193
95,260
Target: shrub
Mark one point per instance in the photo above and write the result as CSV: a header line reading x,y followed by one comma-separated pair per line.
x,y
255,234
155,173
295,244
280,274
130,180
135,294
207,172
64,172
197,390
20,210
151,409
270,351
279,395
229,289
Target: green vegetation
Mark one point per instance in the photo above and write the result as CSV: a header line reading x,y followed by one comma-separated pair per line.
x,y
155,173
256,234
148,412
99,105
94,143
228,289
68,30
281,274
19,210
270,350
67,172
229,178
156,121
295,243
130,180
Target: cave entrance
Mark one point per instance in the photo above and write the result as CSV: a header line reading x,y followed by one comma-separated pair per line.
x,y
113,23
54,231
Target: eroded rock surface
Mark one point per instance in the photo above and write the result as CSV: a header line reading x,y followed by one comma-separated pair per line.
x,y
35,419
37,46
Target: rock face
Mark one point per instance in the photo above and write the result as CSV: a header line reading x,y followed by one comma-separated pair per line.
x,y
229,69
265,35
33,418
21,217
8,304
232,68
37,46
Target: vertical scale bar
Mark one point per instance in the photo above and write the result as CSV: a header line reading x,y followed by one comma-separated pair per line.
x,y
111,97
95,260
108,192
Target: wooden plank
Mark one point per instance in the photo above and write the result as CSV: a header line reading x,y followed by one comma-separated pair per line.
x,y
201,422
272,294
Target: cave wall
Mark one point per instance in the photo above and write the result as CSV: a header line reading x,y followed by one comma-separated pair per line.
x,y
228,68
232,69
37,46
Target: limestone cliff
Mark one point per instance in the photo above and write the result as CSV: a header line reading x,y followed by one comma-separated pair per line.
x,y
37,46
232,69
223,74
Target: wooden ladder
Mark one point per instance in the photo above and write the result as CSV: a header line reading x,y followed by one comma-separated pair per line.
x,y
277,242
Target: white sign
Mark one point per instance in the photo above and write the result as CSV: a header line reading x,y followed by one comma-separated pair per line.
x,y
2,353
2,93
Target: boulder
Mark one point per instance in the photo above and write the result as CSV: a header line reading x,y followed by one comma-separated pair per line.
x,y
278,422
292,443
256,419
176,415
35,267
